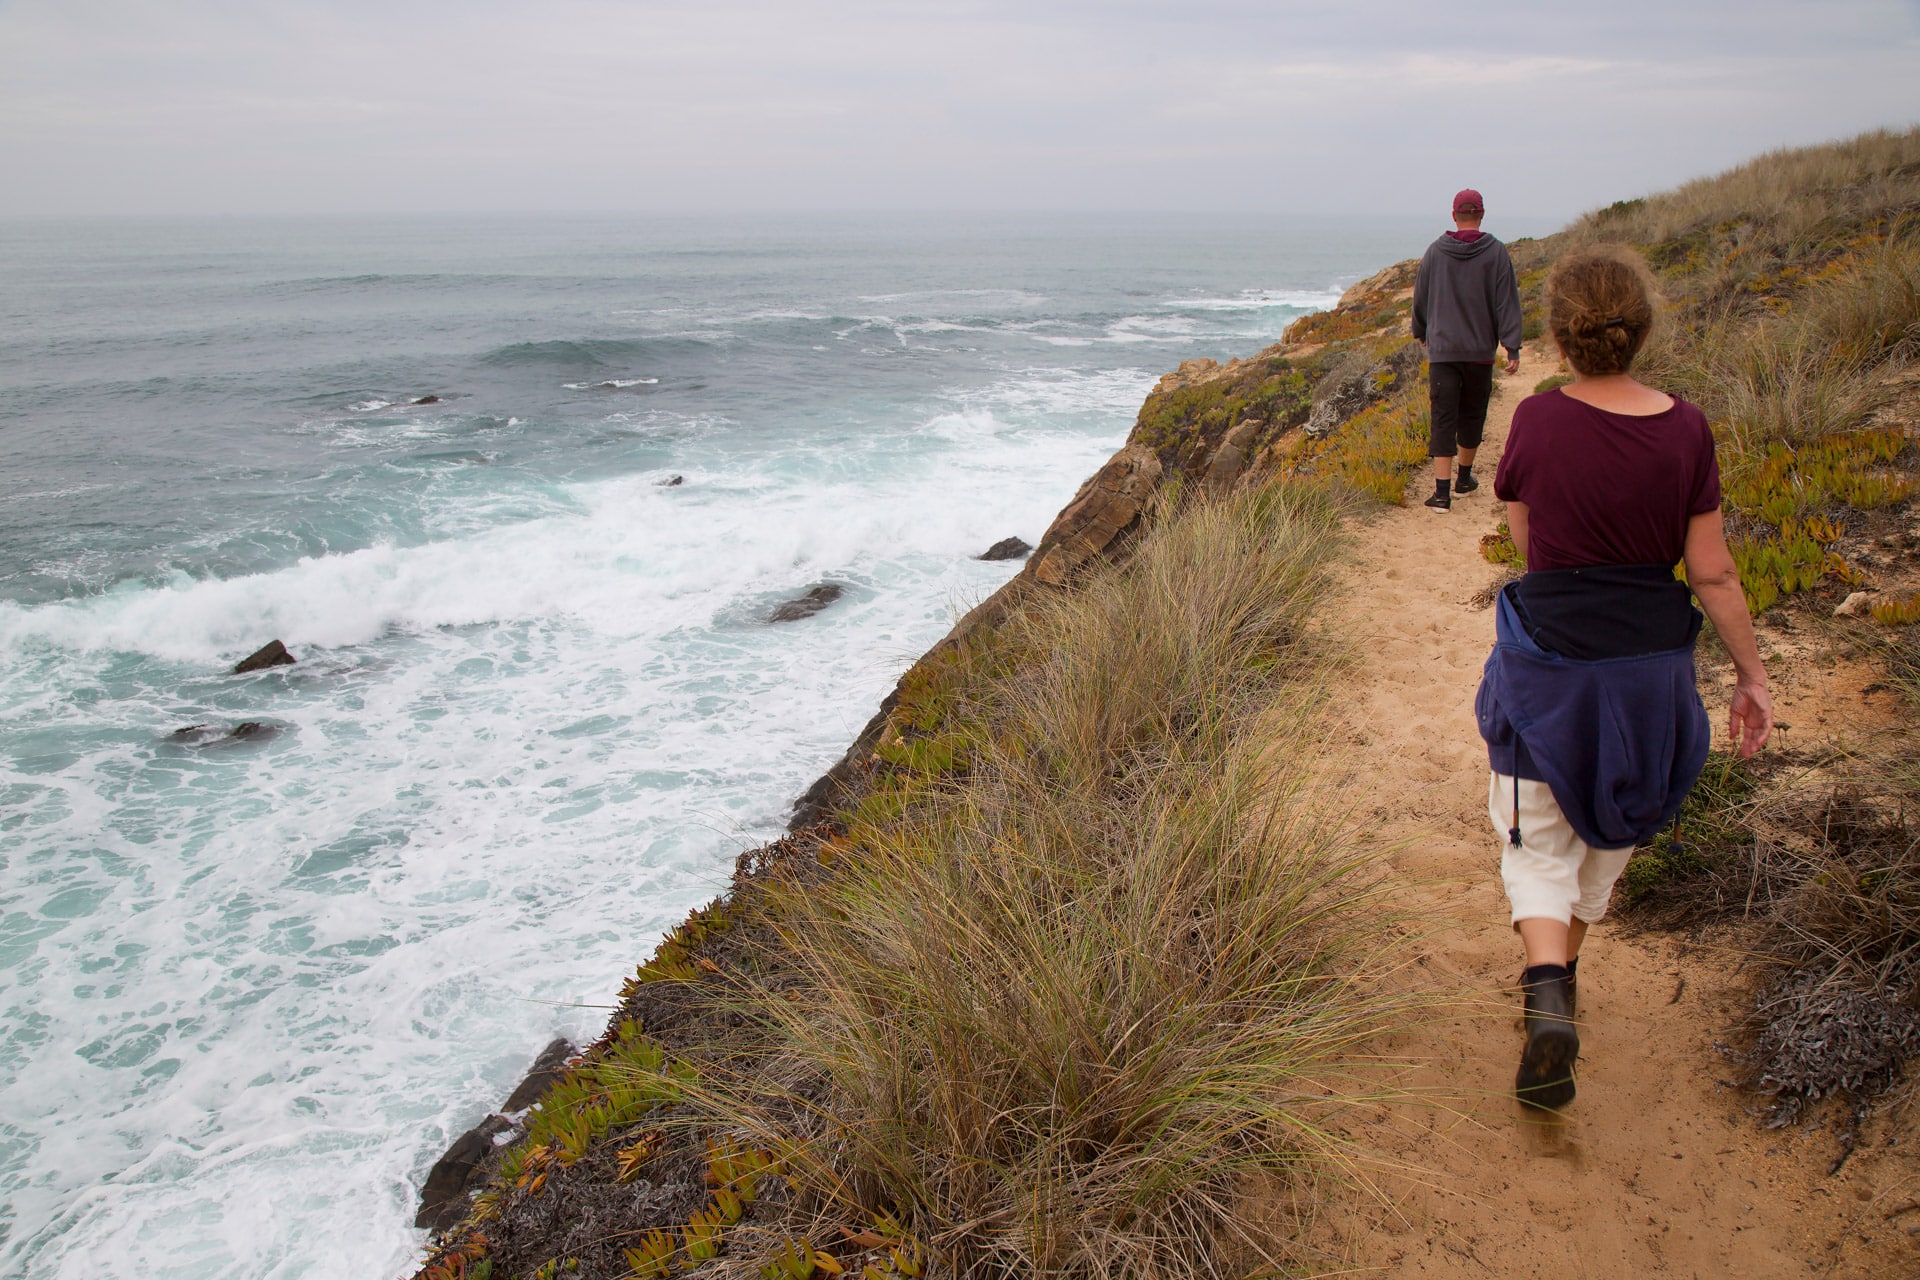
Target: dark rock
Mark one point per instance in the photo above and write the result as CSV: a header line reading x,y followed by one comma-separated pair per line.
x,y
250,729
271,654
830,789
428,400
444,1200
187,732
671,482
1006,549
541,1076
809,604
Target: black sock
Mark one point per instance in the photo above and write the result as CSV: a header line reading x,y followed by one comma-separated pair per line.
x,y
1441,488
1466,471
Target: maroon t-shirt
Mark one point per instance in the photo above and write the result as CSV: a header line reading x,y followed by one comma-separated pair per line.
x,y
1607,488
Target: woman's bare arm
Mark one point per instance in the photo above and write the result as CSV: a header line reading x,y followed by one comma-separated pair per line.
x,y
1517,525
1715,580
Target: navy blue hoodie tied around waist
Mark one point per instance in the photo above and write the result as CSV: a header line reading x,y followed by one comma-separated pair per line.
x,y
1618,740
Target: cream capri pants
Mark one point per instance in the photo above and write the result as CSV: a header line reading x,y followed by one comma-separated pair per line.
x,y
1554,874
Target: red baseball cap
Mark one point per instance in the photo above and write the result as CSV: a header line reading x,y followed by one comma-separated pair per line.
x,y
1468,199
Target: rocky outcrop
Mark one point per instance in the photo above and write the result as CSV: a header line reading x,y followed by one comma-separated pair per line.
x,y
1108,506
671,482
817,598
1006,549
443,1198
1229,461
270,654
205,735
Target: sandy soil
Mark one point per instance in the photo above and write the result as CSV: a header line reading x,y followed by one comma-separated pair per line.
x,y
1660,1168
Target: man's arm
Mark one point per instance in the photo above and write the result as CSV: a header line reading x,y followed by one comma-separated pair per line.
x,y
1420,301
1506,309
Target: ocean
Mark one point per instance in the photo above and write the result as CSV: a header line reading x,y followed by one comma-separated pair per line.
x,y
254,983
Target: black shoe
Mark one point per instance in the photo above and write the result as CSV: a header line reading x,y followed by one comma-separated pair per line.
x,y
1441,502
1465,484
1545,1078
1573,988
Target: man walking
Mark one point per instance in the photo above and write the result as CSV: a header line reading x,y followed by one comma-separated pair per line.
x,y
1465,301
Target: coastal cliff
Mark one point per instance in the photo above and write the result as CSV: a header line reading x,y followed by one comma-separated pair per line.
x,y
1065,967
1339,400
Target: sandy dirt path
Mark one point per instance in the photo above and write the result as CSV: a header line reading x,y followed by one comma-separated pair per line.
x,y
1659,1168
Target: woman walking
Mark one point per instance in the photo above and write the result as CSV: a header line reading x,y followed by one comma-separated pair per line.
x,y
1593,726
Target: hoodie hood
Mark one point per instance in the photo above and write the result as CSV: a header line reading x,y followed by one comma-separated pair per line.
x,y
1464,249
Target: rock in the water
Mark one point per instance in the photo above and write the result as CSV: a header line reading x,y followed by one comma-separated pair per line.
x,y
541,1076
443,1200
428,400
809,604
1006,549
671,482
206,735
1858,604
271,654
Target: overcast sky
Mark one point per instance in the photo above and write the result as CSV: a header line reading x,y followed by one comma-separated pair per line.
x,y
389,106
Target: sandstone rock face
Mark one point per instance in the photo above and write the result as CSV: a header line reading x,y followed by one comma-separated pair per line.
x,y
816,599
1006,549
270,654
1229,461
1189,372
1107,506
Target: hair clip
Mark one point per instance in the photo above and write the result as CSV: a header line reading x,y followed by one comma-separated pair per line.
x,y
1616,322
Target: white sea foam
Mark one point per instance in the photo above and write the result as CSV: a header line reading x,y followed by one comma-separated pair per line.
x,y
611,384
252,987
294,970
1263,300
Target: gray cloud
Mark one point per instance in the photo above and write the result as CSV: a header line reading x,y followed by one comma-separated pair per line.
x,y
346,105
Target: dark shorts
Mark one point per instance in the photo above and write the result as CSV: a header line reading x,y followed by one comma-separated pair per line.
x,y
1458,395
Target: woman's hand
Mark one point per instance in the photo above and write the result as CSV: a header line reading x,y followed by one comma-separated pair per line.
x,y
1750,717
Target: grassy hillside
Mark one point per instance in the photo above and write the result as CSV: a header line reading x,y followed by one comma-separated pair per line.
x,y
1077,970
1794,284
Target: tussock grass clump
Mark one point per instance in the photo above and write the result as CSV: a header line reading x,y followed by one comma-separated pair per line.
x,y
1061,1020
1868,309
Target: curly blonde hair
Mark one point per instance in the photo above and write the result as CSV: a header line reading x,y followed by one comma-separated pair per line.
x,y
1601,305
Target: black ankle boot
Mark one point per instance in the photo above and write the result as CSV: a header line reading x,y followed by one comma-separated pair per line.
x,y
1545,1078
1573,988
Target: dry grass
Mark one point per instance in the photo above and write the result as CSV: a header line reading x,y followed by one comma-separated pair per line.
x,y
1788,205
1059,1019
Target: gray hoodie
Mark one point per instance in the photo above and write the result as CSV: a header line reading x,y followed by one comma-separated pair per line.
x,y
1465,300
